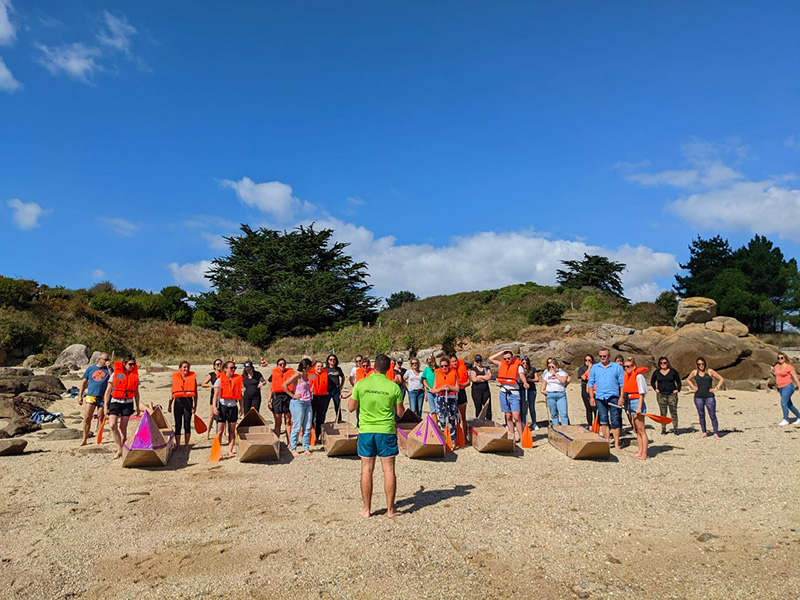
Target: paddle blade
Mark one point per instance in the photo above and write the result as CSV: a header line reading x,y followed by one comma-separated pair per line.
x,y
448,439
216,449
595,428
313,437
461,439
659,419
100,431
527,439
199,425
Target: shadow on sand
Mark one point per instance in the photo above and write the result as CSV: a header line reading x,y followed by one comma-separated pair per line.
x,y
423,497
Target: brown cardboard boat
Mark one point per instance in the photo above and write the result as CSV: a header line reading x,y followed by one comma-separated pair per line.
x,y
152,443
577,442
426,440
405,425
257,441
488,436
340,439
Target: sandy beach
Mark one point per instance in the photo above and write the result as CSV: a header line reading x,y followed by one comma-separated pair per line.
x,y
701,519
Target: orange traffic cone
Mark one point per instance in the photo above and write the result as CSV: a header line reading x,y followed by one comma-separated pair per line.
x,y
461,439
527,439
448,439
595,428
216,449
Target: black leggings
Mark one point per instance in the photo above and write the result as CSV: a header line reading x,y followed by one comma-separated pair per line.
x,y
254,402
479,398
319,408
182,408
591,411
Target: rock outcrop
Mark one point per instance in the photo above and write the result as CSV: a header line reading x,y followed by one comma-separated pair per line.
x,y
695,310
76,354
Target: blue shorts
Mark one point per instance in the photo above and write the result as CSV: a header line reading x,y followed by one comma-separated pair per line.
x,y
609,409
371,445
509,401
431,402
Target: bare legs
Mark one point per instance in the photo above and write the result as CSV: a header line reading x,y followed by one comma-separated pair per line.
x,y
389,484
88,413
641,436
119,429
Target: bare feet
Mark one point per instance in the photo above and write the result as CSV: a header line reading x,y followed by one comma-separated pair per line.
x,y
366,513
295,453
118,454
642,457
716,437
307,452
83,443
391,513
704,434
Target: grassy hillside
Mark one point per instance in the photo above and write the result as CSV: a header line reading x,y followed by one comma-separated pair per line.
x,y
487,316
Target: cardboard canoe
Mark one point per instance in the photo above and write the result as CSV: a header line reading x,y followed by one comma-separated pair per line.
x,y
257,442
340,439
577,442
488,436
152,444
405,425
426,440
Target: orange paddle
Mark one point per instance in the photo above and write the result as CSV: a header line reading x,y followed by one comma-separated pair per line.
x,y
527,439
216,449
659,418
100,431
595,428
313,437
461,440
448,439
199,425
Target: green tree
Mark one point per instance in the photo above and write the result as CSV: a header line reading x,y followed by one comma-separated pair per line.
x,y
397,299
548,313
668,302
707,259
294,283
593,271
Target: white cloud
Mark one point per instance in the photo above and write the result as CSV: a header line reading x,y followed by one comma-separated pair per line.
x,y
272,197
7,81
76,60
119,225
191,273
471,262
216,241
98,274
793,141
117,32
8,32
26,214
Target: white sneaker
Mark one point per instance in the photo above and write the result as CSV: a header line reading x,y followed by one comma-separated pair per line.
x,y
797,423
536,427
783,423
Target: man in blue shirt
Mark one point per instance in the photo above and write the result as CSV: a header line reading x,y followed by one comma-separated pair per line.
x,y
606,380
93,388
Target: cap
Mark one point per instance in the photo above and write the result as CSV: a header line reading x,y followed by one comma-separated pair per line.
x,y
478,357
248,364
399,360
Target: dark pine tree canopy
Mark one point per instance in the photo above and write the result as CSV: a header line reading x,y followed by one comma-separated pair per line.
x,y
397,299
286,283
593,271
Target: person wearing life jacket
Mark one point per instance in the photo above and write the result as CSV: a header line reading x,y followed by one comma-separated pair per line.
x,y
634,387
583,376
510,375
462,374
122,399
365,370
320,399
227,407
184,399
445,387
279,396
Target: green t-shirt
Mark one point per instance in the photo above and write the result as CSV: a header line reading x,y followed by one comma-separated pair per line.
x,y
376,398
429,375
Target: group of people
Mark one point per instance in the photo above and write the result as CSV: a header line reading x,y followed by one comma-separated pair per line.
x,y
300,398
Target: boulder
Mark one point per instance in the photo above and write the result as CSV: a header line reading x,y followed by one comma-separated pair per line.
x,y
720,350
47,384
695,310
714,325
7,410
14,385
747,368
746,385
643,342
95,355
20,425
571,355
607,334
39,398
60,435
33,361
730,325
12,447
73,355
15,372
58,370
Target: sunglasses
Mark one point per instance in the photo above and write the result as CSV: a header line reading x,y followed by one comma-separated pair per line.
x,y
628,366
781,358
281,364
131,364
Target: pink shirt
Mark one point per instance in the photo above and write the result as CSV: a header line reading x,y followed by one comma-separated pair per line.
x,y
303,389
783,377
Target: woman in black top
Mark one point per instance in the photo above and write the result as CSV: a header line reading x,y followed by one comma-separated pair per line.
x,y
527,397
209,382
252,383
583,376
335,382
667,383
480,377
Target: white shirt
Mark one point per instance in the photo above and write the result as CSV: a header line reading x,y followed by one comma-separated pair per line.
x,y
414,381
552,382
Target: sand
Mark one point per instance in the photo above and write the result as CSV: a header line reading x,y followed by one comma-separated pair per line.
x,y
701,518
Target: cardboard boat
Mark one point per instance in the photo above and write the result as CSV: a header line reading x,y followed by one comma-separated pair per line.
x,y
577,442
340,439
488,436
405,425
152,444
426,440
257,441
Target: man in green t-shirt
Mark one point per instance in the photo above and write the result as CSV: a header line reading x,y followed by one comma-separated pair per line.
x,y
378,400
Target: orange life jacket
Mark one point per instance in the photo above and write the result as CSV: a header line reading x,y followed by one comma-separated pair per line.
x,y
319,382
391,373
462,374
440,379
184,388
508,373
278,377
230,388
361,373
629,384
125,384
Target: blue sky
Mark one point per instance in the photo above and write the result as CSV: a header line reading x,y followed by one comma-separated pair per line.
x,y
455,145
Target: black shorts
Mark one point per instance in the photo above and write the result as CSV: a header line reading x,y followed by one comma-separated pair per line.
x,y
120,409
227,414
462,396
280,402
